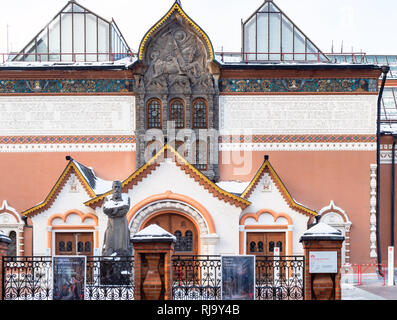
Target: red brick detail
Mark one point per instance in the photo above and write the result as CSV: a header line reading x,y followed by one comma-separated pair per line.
x,y
322,286
153,270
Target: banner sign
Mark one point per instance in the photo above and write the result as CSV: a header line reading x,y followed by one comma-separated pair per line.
x,y
69,277
323,262
238,278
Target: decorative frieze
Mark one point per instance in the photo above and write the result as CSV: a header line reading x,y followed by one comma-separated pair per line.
x,y
297,85
67,115
297,146
67,86
293,115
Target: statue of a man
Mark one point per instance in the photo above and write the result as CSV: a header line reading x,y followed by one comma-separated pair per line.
x,y
117,235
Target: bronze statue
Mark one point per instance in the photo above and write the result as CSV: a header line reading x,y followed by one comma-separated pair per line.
x,y
117,235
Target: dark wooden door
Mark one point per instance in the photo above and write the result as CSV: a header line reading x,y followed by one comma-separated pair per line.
x,y
74,243
182,228
263,243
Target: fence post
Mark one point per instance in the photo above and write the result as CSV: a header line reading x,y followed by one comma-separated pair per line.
x,y
322,245
4,242
390,267
153,249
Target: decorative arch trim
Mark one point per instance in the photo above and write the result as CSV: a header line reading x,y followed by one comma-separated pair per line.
x,y
5,208
168,195
175,8
263,211
63,217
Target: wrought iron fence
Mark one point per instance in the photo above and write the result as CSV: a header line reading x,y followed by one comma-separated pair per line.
x,y
112,278
280,278
200,278
30,278
196,277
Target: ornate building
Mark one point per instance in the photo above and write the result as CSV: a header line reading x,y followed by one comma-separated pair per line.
x,y
231,153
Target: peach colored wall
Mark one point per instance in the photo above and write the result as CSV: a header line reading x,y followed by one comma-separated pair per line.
x,y
314,178
27,178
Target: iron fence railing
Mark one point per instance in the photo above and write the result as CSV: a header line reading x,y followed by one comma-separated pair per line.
x,y
30,278
195,277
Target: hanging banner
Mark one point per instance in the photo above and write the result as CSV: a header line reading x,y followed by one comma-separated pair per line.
x,y
238,278
69,277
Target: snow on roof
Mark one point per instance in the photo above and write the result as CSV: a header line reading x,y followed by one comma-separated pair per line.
x,y
236,187
153,232
323,230
98,185
125,62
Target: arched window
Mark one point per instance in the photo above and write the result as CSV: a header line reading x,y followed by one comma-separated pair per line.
x,y
200,154
62,247
252,246
87,246
177,113
80,246
199,114
69,246
189,240
280,245
154,114
260,246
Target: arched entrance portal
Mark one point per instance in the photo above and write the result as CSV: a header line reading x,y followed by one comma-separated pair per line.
x,y
181,227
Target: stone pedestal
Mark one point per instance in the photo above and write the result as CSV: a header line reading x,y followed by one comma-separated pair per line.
x,y
153,249
4,242
323,281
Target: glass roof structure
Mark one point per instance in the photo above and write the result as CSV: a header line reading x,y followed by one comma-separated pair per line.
x,y
76,34
269,35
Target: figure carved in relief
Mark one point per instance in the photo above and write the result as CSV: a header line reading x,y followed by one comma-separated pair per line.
x,y
178,59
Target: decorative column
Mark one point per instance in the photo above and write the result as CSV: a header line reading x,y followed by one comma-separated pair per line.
x,y
372,219
323,257
4,242
153,249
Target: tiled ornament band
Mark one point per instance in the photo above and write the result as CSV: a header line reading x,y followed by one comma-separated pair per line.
x,y
297,85
66,86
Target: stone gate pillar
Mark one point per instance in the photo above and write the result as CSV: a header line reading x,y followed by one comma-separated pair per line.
x,y
322,245
4,242
153,249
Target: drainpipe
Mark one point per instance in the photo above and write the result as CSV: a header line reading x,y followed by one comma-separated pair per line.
x,y
385,70
393,152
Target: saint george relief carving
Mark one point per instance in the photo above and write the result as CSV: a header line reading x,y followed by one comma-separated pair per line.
x,y
177,63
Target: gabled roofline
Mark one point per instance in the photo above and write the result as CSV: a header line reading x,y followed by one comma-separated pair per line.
x,y
71,167
267,167
176,7
184,165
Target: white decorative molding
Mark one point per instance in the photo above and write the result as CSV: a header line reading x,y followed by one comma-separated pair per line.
x,y
386,157
146,212
297,146
78,147
11,220
66,115
372,219
308,114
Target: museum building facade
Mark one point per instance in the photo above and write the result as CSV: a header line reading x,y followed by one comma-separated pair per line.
x,y
231,154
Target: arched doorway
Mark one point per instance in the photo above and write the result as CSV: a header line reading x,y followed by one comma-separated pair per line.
x,y
181,227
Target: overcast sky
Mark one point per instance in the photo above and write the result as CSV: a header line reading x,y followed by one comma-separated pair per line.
x,y
362,25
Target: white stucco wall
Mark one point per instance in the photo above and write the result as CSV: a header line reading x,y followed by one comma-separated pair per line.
x,y
66,200
169,177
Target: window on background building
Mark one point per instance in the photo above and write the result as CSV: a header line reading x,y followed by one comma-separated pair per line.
x,y
76,34
200,116
200,153
154,114
12,247
177,113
